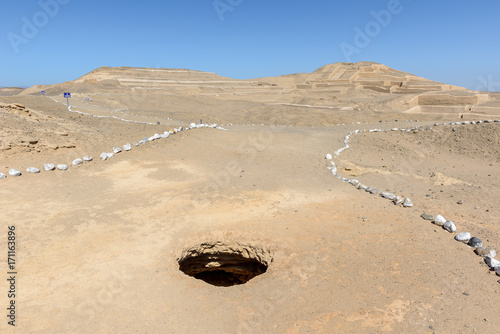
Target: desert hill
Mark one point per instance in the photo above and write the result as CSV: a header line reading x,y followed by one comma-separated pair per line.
x,y
337,86
152,236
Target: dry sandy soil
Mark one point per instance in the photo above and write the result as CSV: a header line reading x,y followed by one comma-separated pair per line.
x,y
98,245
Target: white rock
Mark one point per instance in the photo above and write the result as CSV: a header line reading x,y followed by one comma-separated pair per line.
x,y
439,220
407,203
449,226
87,158
398,200
463,236
32,170
388,195
103,156
2,176
62,166
127,147
110,155
117,150
491,262
77,162
135,144
49,167
14,172
329,156
193,125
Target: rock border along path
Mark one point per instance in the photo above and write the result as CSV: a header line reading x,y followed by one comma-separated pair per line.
x,y
104,156
474,242
465,237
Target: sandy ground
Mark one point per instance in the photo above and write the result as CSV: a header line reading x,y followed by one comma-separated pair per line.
x,y
97,245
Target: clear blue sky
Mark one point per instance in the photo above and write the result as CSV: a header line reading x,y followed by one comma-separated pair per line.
x,y
456,42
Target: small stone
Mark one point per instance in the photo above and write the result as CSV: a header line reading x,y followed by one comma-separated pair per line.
x,y
62,166
439,220
14,172
110,155
87,158
460,202
497,270
492,262
475,242
135,144
466,294
329,156
2,176
485,251
117,150
77,162
32,170
127,147
398,200
49,167
368,189
427,216
103,156
407,203
387,195
463,236
376,191
450,226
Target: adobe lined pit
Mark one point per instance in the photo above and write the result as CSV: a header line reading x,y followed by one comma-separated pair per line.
x,y
223,264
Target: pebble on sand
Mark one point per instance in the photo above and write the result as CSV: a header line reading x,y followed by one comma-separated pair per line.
x,y
14,172
2,176
492,262
463,236
32,170
439,220
475,242
427,216
407,203
62,166
49,167
485,251
449,226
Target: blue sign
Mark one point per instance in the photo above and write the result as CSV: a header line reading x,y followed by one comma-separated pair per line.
x,y
43,92
87,98
67,95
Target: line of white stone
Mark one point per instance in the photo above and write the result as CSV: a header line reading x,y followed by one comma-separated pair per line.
x,y
106,155
448,225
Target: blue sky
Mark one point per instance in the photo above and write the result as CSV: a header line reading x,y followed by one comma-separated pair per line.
x,y
456,42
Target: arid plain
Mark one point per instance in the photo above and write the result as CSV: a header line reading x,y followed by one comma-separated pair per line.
x,y
98,245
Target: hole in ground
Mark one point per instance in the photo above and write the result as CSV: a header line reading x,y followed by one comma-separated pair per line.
x,y
222,264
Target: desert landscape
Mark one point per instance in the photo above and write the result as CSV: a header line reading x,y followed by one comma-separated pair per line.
x,y
181,201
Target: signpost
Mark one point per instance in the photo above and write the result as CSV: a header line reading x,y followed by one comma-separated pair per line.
x,y
67,96
43,93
